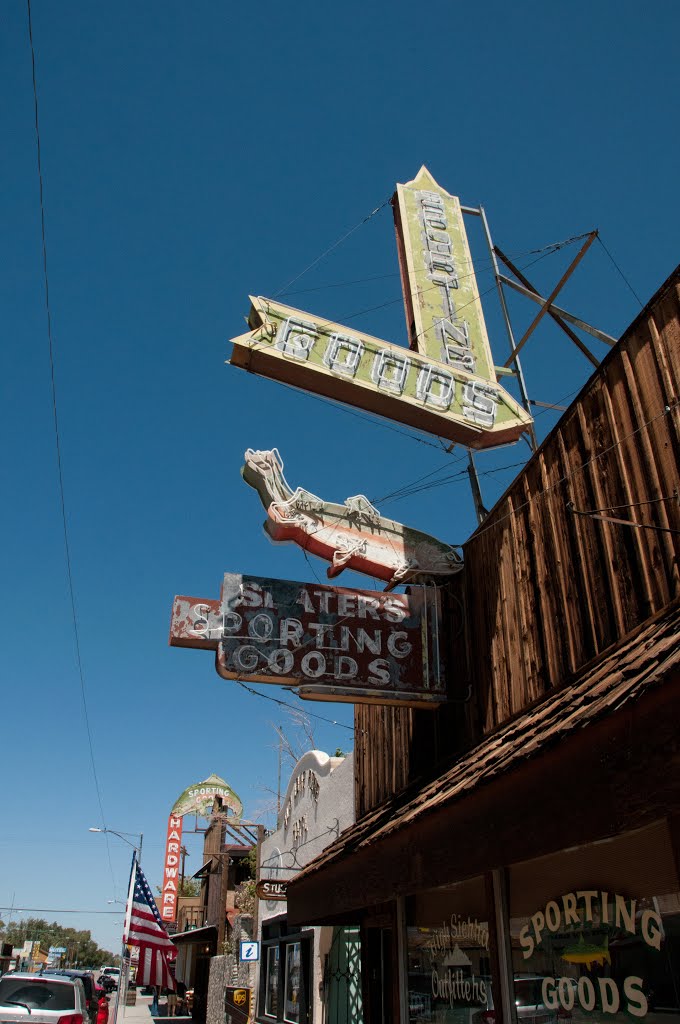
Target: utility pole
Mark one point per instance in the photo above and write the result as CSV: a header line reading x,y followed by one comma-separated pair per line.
x,y
278,783
184,854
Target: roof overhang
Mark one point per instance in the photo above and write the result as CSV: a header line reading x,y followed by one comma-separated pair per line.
x,y
195,935
205,869
597,757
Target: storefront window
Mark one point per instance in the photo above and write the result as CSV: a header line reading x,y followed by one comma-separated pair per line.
x,y
449,971
285,977
292,997
271,1004
595,932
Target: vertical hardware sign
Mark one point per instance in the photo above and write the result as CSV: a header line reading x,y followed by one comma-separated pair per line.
x,y
173,845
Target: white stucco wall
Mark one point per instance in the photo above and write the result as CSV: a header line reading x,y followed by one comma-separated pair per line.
x,y
318,806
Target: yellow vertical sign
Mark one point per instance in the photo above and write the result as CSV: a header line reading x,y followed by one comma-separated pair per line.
x,y
443,310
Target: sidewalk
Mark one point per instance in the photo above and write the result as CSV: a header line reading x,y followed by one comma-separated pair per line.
x,y
140,1013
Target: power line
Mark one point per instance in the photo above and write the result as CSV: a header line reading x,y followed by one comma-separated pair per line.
x,y
293,707
629,285
335,245
56,431
376,418
51,910
577,469
478,262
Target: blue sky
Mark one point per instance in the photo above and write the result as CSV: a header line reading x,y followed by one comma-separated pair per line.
x,y
196,153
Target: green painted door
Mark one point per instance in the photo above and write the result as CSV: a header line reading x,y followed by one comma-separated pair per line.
x,y
343,978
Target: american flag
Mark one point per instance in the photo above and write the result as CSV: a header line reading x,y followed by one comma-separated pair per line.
x,y
144,928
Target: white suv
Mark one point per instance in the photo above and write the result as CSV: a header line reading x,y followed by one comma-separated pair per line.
x,y
42,1000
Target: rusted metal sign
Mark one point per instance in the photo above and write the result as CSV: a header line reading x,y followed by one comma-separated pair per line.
x,y
268,889
329,643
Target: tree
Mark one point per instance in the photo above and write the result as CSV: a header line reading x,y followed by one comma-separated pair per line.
x,y
186,887
81,949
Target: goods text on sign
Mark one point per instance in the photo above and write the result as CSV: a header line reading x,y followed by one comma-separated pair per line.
x,y
445,383
330,643
588,929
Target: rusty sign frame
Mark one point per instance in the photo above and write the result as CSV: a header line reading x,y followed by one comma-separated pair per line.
x,y
326,643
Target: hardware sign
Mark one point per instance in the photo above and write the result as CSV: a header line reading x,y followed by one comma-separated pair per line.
x,y
329,643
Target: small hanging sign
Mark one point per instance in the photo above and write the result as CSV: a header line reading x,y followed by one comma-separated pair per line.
x,y
269,889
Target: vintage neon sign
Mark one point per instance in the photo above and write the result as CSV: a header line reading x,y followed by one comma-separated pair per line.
x,y
196,799
445,383
350,536
329,643
173,847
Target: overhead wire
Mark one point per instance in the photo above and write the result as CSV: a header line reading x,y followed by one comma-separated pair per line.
x,y
60,474
51,910
408,492
293,707
334,246
577,469
628,284
383,277
448,465
541,253
378,420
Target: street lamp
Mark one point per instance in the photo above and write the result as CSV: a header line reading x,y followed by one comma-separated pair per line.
x,y
121,835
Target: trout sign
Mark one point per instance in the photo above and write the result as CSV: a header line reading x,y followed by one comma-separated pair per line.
x,y
329,643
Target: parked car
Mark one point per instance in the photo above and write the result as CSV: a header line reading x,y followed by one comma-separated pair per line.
x,y
110,977
42,999
529,1002
89,984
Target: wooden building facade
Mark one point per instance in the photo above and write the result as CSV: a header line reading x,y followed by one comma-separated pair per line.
x,y
554,769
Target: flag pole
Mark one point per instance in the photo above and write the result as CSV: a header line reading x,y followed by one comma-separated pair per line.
x,y
126,931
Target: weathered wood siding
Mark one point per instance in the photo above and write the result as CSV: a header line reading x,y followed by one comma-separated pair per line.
x,y
546,590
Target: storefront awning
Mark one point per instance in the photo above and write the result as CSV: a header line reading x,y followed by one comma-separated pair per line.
x,y
195,935
588,748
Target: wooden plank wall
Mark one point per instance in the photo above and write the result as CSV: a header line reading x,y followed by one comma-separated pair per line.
x,y
545,590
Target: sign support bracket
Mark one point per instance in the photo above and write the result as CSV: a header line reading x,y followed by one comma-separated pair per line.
x,y
514,348
554,293
558,315
482,513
